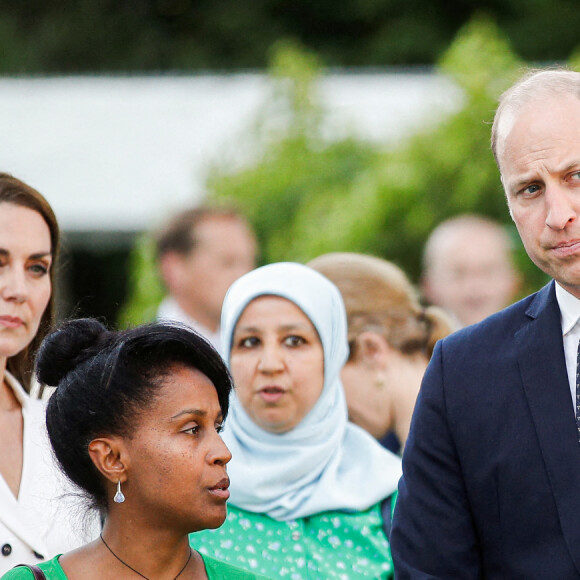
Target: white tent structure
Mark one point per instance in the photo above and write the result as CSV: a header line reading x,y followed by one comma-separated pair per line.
x,y
117,154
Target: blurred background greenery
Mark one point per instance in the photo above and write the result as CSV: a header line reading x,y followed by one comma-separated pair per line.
x,y
305,194
66,36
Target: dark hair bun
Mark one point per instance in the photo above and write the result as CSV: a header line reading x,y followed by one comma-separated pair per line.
x,y
62,350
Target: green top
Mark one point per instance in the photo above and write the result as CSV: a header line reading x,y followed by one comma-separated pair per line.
x,y
325,546
215,569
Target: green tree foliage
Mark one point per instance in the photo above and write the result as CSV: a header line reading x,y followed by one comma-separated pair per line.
x,y
64,36
300,175
306,195
145,288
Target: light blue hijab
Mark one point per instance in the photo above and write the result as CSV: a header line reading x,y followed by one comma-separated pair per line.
x,y
325,463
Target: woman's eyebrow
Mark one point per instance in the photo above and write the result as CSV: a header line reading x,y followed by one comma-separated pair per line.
x,y
244,329
36,256
194,412
40,255
297,326
284,328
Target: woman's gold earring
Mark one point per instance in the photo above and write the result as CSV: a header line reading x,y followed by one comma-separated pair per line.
x,y
119,497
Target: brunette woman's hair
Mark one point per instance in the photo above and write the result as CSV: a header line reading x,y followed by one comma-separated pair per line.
x,y
105,379
16,192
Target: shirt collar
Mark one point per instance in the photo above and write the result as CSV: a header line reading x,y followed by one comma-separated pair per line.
x,y
169,309
569,309
18,390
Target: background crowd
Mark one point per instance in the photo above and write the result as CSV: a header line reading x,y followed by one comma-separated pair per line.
x,y
328,368
327,359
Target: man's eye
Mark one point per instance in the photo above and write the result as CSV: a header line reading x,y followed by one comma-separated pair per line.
x,y
531,190
193,430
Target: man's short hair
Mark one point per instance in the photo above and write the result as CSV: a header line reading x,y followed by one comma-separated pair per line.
x,y
536,82
178,234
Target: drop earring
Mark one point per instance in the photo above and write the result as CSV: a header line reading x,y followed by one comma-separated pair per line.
x,y
119,497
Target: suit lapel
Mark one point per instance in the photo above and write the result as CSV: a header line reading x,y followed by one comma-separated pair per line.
x,y
543,369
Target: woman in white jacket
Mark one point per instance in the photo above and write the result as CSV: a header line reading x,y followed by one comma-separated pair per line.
x,y
30,484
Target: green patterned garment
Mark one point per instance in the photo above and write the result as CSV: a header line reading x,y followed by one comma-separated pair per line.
x,y
215,569
325,546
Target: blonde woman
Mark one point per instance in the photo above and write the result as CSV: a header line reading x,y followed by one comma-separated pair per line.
x,y
391,338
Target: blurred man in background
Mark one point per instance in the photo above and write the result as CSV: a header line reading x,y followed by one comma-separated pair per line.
x,y
201,252
468,269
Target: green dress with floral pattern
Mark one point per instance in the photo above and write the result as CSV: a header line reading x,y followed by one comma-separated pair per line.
x,y
215,570
325,546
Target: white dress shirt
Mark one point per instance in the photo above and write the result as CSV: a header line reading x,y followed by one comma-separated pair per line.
x,y
570,319
170,310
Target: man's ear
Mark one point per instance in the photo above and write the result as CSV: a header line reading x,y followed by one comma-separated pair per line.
x,y
110,458
428,289
373,350
170,267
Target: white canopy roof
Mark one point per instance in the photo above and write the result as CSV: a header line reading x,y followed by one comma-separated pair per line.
x,y
120,153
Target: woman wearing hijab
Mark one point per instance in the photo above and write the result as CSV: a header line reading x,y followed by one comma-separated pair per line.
x,y
308,488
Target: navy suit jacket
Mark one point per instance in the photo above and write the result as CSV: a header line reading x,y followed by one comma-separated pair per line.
x,y
491,469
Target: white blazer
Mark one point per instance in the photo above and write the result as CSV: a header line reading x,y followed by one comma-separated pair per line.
x,y
43,521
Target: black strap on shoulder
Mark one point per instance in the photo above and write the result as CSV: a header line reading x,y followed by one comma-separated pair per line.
x,y
386,512
36,571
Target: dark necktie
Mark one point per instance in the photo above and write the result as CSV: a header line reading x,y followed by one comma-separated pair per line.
x,y
578,391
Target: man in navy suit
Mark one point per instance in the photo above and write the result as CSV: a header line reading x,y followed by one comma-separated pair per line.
x,y
491,470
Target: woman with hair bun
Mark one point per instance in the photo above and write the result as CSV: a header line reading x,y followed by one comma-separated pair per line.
x,y
134,423
391,338
30,484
